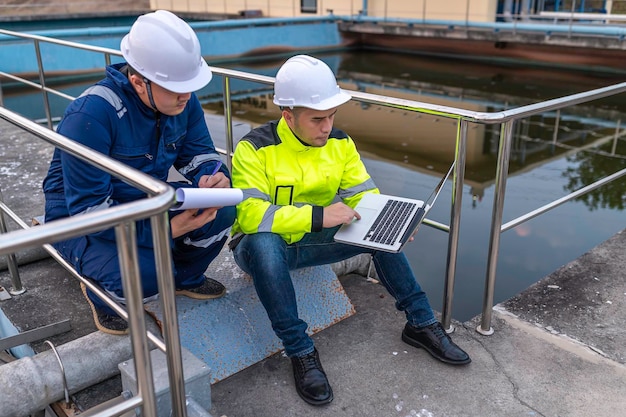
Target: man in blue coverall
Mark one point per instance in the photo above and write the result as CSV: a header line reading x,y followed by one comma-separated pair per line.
x,y
145,114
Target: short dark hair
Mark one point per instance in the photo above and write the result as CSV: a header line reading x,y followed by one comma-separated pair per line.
x,y
132,71
294,110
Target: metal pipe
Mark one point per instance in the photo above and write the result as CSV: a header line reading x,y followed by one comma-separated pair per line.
x,y
116,168
114,407
42,82
125,235
65,390
616,136
521,219
444,111
455,222
163,257
63,229
70,44
35,85
163,194
228,119
496,220
16,281
96,290
36,381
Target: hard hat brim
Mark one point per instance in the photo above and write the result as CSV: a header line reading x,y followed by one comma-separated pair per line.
x,y
335,101
203,77
200,80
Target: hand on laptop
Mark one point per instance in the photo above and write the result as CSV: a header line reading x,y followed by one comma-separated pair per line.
x,y
339,213
412,238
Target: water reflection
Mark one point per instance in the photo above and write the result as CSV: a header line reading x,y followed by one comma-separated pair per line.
x,y
407,152
590,166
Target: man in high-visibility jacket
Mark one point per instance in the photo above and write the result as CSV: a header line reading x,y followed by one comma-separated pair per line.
x,y
292,170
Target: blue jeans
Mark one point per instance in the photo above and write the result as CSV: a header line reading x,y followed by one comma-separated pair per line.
x,y
268,259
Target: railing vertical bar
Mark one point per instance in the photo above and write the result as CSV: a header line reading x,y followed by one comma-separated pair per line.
x,y
125,234
496,222
455,222
555,203
42,82
616,137
162,253
228,119
114,407
557,120
16,281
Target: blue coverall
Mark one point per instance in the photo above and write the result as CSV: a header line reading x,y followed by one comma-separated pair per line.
x,y
111,118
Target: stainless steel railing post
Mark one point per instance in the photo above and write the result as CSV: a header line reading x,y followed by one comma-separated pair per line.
x,y
455,223
42,82
16,281
125,235
163,257
496,223
228,119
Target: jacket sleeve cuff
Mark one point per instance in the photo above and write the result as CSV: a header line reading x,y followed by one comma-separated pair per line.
x,y
317,219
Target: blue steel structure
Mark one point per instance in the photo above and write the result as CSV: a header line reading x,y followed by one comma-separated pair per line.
x,y
227,39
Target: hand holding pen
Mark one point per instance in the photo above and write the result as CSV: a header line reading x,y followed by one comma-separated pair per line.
x,y
217,168
217,179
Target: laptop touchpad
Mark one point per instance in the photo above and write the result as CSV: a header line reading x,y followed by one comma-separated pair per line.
x,y
367,215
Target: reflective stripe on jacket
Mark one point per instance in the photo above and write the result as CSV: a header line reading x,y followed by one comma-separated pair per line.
x,y
111,119
284,179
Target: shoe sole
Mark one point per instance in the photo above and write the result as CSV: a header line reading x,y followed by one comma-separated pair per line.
x,y
406,339
103,329
196,296
317,403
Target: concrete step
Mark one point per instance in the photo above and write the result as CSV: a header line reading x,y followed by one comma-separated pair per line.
x,y
233,332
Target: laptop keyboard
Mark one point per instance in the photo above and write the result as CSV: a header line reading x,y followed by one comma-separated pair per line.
x,y
388,225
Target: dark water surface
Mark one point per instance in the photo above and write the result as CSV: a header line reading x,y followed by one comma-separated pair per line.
x,y
552,155
407,154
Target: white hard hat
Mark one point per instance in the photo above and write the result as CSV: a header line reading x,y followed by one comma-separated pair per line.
x,y
164,48
305,81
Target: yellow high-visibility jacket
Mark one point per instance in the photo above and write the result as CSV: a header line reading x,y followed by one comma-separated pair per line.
x,y
287,183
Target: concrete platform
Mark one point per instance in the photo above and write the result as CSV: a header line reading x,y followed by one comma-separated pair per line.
x,y
233,332
535,364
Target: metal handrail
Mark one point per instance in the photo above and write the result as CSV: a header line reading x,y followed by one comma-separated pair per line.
x,y
463,115
120,215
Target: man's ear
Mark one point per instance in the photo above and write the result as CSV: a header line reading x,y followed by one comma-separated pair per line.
x,y
288,115
137,83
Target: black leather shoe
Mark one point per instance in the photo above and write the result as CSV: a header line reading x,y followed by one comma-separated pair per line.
x,y
311,382
436,341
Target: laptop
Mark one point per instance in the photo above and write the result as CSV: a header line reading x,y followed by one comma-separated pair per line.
x,y
388,222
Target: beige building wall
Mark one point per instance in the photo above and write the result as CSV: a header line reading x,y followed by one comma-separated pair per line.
x,y
461,10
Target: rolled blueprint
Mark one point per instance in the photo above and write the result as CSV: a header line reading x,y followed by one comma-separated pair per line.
x,y
194,198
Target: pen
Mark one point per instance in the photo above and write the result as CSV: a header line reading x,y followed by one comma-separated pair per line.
x,y
217,168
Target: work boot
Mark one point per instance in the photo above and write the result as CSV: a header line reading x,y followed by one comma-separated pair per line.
x,y
311,382
209,289
436,341
107,323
